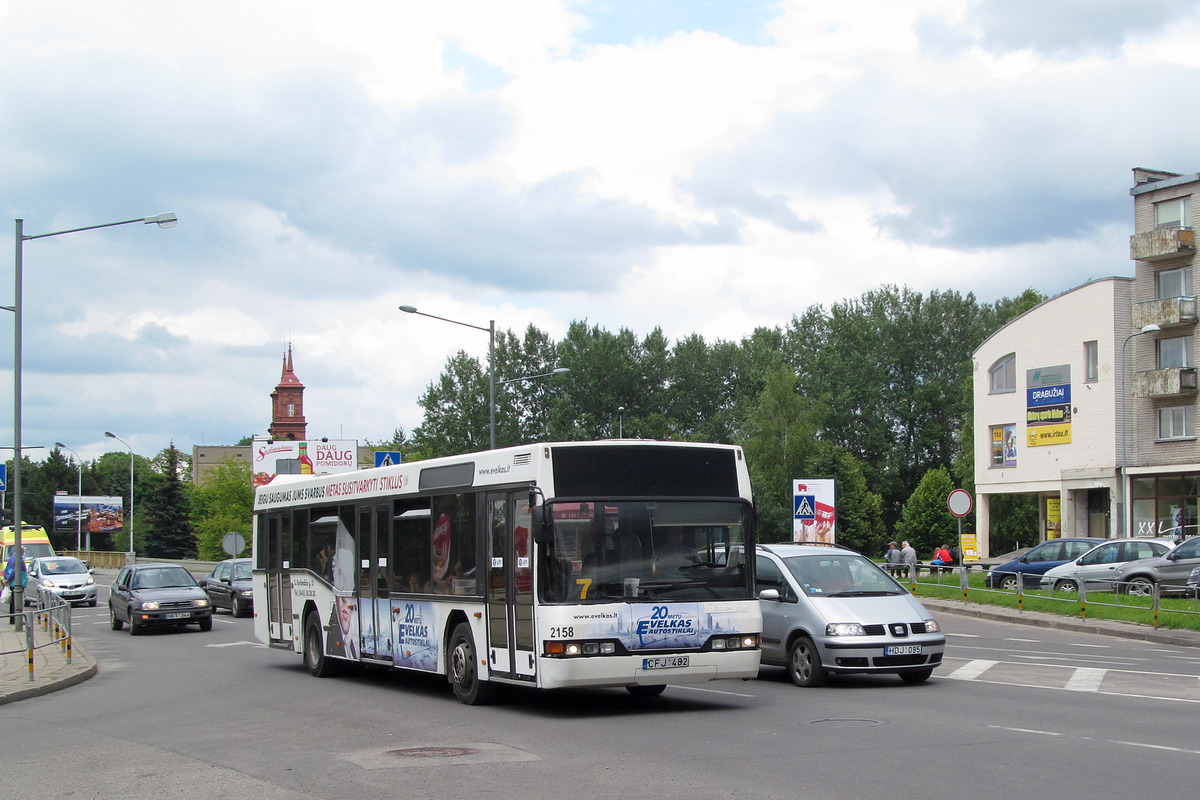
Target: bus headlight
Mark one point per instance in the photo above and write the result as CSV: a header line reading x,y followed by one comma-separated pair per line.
x,y
749,642
560,648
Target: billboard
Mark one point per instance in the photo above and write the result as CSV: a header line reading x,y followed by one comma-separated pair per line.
x,y
815,512
291,457
88,514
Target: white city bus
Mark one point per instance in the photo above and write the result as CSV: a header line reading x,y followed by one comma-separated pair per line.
x,y
609,563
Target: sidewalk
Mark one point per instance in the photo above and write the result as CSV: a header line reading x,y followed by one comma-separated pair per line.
x,y
51,671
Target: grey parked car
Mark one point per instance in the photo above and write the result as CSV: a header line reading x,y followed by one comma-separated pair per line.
x,y
828,610
229,586
1168,572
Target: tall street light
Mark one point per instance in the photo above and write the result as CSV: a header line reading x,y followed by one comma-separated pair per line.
x,y
167,220
78,503
1123,503
490,330
122,441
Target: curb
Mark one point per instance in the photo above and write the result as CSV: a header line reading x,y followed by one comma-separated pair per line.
x,y
1123,630
81,668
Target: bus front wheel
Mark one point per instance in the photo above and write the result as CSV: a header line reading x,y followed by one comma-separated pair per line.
x,y
464,669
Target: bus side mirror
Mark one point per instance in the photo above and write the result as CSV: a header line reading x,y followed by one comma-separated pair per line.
x,y
543,533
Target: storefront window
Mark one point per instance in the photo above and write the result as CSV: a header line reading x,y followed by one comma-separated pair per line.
x,y
1165,505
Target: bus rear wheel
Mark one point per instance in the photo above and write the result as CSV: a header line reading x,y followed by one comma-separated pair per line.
x,y
319,666
464,669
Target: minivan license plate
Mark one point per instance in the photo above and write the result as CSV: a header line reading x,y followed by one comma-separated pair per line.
x,y
664,662
902,650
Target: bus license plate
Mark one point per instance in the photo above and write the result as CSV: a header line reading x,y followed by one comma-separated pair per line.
x,y
665,662
179,615
902,650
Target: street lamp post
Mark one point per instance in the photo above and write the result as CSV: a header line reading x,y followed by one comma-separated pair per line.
x,y
122,441
167,220
490,330
1123,503
78,503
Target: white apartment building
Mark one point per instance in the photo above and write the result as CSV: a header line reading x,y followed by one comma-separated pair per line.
x,y
1099,383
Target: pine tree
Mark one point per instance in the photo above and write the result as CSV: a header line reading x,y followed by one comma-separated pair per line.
x,y
168,512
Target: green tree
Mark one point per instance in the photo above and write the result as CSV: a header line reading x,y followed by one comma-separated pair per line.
x,y
224,503
111,471
926,521
780,442
168,511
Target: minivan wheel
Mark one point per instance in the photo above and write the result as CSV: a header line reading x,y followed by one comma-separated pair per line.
x,y
804,663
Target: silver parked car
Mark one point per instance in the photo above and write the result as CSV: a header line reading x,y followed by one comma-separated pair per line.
x,y
1169,572
68,578
828,610
1096,568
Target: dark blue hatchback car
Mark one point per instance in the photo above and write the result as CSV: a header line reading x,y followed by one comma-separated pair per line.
x,y
1029,567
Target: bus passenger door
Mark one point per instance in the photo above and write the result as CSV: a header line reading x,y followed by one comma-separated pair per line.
x,y
525,651
374,604
279,585
509,586
499,567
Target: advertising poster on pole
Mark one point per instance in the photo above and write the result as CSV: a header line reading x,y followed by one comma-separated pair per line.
x,y
291,457
815,512
88,514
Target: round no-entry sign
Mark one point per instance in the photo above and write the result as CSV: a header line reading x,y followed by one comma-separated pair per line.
x,y
960,502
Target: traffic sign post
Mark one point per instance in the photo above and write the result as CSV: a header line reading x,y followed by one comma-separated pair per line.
x,y
960,504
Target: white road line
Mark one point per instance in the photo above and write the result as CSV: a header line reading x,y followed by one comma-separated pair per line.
x,y
972,669
1031,641
1086,679
689,688
1155,747
236,644
1024,730
1110,741
1080,644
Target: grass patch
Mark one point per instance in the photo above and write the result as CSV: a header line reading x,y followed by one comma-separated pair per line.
x,y
1174,612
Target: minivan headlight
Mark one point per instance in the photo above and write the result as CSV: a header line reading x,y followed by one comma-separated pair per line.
x,y
931,626
844,629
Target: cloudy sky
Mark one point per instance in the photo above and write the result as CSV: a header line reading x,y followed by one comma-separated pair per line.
x,y
705,166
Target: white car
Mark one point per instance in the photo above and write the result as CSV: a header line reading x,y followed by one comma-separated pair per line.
x,y
68,578
1098,566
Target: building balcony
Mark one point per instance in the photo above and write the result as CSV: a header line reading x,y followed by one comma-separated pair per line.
x,y
1165,313
1164,382
1162,243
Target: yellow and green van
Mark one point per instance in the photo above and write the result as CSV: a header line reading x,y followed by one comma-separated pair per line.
x,y
33,539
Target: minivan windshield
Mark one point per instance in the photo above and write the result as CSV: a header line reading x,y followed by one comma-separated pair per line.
x,y
614,551
841,574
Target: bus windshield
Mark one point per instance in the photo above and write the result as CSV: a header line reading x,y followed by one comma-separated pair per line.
x,y
651,551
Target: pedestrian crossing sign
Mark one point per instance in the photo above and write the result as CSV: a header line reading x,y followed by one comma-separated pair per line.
x,y
806,507
387,458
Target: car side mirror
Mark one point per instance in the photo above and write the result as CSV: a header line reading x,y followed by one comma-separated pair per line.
x,y
770,594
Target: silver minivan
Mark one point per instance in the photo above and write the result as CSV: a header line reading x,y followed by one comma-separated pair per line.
x,y
828,610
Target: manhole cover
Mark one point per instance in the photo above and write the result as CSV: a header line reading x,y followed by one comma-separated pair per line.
x,y
846,723
433,752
